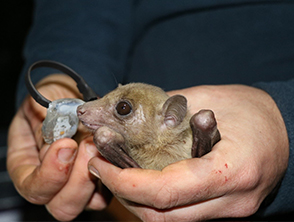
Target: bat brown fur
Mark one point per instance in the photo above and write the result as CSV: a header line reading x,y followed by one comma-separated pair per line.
x,y
155,133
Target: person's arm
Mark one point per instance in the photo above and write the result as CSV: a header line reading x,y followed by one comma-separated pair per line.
x,y
230,181
49,175
92,38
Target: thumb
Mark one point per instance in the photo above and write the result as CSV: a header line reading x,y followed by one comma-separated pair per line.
x,y
40,183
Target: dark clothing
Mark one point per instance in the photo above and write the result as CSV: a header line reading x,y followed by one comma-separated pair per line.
x,y
174,44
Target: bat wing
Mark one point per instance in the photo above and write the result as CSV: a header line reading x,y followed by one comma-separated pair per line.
x,y
205,132
111,145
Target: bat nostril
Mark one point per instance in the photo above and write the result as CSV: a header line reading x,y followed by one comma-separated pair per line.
x,y
80,111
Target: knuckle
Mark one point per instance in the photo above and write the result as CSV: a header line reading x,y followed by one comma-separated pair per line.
x,y
154,216
249,178
117,191
120,186
36,199
34,196
166,198
248,211
245,208
62,214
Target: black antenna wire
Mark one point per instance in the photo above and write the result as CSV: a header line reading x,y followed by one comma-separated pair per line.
x,y
88,93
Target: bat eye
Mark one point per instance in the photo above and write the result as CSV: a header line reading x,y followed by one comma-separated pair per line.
x,y
123,108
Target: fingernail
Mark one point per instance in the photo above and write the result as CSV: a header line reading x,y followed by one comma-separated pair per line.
x,y
66,155
94,171
91,149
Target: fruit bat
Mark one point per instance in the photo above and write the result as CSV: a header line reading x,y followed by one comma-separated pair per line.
x,y
139,125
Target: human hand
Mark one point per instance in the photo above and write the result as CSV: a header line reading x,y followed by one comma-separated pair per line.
x,y
50,175
230,181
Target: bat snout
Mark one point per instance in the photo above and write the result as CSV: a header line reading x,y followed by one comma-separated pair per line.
x,y
81,110
89,117
83,114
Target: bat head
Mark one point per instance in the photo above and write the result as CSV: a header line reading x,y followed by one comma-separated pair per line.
x,y
141,113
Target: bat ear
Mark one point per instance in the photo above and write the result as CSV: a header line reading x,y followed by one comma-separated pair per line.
x,y
174,110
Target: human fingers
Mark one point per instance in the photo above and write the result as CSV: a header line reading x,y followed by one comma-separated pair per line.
x,y
34,115
167,188
226,206
37,182
40,182
213,186
81,190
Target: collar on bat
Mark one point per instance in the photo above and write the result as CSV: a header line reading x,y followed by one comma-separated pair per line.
x,y
85,90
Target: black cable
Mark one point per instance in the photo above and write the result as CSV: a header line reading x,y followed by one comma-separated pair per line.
x,y
83,87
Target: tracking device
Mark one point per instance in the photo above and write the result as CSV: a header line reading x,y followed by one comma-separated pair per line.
x,y
61,120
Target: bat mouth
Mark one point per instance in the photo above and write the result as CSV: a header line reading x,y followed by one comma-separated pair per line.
x,y
92,126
